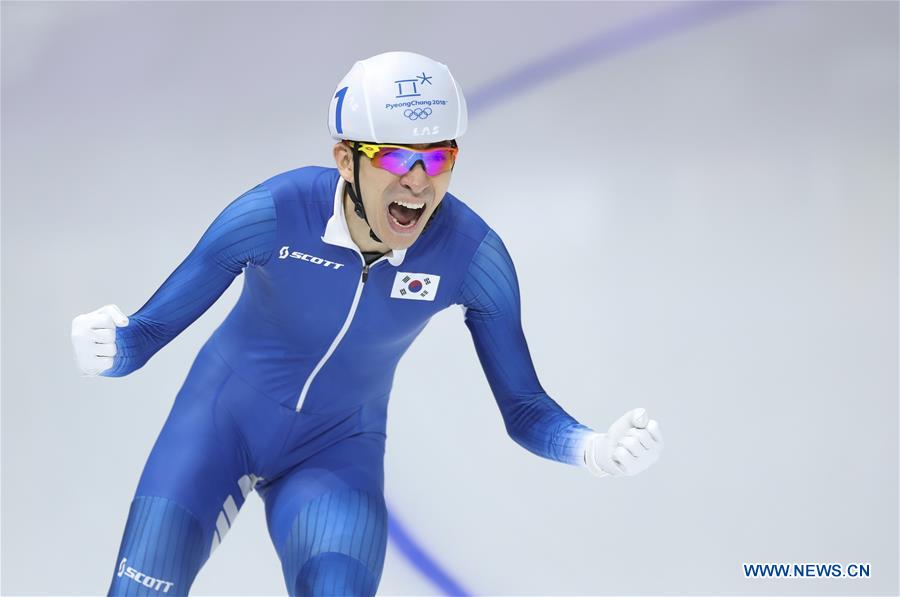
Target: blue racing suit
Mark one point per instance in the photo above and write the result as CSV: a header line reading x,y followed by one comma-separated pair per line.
x,y
289,395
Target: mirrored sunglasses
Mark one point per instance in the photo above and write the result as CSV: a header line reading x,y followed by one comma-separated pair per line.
x,y
398,159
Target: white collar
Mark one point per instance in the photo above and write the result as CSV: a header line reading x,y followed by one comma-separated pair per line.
x,y
337,233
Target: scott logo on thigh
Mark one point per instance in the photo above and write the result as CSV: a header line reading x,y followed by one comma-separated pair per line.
x,y
147,581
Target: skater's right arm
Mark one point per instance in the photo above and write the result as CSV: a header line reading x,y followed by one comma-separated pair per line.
x,y
108,343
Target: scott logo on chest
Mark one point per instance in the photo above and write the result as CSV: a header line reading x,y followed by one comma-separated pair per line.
x,y
285,252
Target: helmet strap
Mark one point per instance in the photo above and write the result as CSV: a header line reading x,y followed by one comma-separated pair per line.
x,y
356,196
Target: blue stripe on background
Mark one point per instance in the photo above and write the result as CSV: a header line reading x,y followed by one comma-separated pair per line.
x,y
601,46
420,559
504,88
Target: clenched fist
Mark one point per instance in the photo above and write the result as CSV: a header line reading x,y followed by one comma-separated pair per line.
x,y
94,339
630,446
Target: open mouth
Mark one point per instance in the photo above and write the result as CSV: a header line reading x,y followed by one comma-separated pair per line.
x,y
404,215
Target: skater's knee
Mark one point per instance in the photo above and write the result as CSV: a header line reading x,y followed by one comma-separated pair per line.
x,y
336,544
333,573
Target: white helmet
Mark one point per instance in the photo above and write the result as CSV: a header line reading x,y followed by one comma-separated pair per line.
x,y
398,97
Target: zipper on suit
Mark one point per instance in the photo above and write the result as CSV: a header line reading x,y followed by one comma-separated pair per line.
x,y
343,331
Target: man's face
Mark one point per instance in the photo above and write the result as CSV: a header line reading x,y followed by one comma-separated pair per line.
x,y
397,207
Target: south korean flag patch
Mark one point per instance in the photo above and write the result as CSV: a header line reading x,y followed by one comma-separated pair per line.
x,y
416,287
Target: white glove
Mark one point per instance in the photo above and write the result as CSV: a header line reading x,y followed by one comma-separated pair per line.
x,y
94,339
631,445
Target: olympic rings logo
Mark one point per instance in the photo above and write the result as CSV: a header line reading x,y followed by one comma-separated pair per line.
x,y
417,113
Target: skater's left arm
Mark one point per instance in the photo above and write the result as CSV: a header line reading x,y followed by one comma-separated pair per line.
x,y
490,298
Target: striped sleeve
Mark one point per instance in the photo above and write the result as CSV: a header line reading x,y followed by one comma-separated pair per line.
x,y
490,298
242,235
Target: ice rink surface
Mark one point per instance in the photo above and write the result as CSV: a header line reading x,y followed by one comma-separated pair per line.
x,y
702,209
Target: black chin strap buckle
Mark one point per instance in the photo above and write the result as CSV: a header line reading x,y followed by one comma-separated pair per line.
x,y
357,204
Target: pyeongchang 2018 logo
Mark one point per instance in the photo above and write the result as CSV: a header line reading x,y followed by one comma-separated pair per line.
x,y
417,113
148,581
285,252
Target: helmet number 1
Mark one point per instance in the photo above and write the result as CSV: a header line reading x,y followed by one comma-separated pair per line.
x,y
337,111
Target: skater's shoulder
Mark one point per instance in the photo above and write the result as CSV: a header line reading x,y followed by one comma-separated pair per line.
x,y
462,220
307,184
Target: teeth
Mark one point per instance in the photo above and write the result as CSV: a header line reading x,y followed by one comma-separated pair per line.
x,y
410,205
